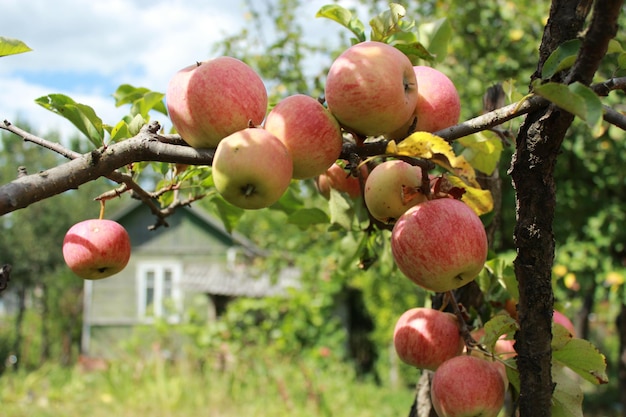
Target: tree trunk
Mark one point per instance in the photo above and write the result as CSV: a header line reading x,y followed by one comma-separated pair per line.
x,y
621,366
532,171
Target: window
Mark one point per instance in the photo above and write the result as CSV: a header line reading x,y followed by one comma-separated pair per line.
x,y
158,291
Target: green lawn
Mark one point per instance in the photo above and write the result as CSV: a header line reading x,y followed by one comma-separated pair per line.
x,y
156,388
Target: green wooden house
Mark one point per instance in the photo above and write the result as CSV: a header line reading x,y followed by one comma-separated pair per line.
x,y
170,268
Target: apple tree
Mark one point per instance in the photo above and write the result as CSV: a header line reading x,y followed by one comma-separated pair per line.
x,y
565,90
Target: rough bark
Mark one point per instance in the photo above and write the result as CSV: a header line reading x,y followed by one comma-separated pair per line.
x,y
532,171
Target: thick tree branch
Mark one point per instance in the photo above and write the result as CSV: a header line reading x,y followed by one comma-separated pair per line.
x,y
146,146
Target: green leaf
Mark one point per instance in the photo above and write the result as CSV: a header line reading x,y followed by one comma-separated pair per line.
x,y
290,201
562,58
142,99
582,357
575,98
499,325
228,213
120,132
482,150
344,17
387,23
438,35
10,46
415,50
615,47
341,211
306,217
567,398
81,115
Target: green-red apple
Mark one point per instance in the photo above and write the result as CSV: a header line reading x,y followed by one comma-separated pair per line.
x,y
209,100
338,178
371,88
440,244
252,168
96,248
392,188
309,131
467,386
426,338
438,103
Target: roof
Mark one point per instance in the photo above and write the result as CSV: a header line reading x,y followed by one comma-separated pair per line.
x,y
237,281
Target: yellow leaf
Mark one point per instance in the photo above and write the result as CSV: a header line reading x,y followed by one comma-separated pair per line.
x,y
479,200
425,145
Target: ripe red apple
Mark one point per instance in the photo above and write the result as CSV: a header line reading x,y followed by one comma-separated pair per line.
x,y
440,244
96,248
563,320
438,103
467,386
392,188
337,178
210,100
309,131
252,168
425,337
371,88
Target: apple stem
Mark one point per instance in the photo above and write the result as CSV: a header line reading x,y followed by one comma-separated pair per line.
x,y
464,328
102,204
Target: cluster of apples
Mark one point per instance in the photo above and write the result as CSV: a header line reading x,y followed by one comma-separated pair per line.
x,y
371,90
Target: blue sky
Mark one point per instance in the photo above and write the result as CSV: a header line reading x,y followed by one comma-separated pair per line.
x,y
85,49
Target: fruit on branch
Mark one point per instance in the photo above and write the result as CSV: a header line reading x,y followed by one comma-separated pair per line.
x,y
309,131
371,89
563,320
251,168
392,188
467,386
210,100
438,103
96,248
426,338
338,178
440,244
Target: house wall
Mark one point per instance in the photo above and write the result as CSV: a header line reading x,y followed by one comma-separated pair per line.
x,y
113,305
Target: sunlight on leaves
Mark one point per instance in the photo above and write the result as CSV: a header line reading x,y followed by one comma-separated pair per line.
x,y
580,355
344,17
10,46
482,150
81,115
567,399
438,34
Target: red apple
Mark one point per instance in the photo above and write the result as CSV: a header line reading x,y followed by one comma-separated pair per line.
x,y
563,320
425,337
210,100
467,386
440,244
309,131
338,178
438,103
96,248
371,88
252,168
392,188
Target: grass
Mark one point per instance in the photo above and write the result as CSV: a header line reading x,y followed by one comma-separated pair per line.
x,y
137,387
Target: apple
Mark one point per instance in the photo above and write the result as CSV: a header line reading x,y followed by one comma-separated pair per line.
x,y
426,338
438,104
96,248
371,88
252,168
467,386
209,100
392,188
338,178
309,131
563,320
440,244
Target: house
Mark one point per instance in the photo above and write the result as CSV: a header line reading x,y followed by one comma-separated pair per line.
x,y
169,268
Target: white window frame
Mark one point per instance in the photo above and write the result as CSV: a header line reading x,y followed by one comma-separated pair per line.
x,y
158,305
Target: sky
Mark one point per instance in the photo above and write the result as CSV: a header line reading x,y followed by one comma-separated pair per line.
x,y
86,49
